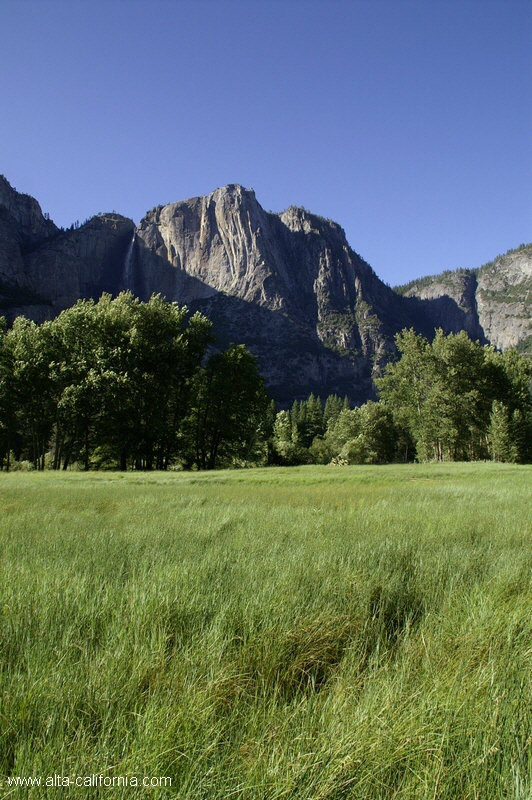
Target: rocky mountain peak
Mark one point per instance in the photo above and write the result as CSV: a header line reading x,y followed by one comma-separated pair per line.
x,y
288,285
23,213
44,269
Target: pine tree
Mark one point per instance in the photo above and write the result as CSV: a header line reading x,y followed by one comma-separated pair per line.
x,y
501,444
333,406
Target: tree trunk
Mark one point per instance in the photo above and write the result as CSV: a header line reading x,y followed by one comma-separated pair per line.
x,y
86,466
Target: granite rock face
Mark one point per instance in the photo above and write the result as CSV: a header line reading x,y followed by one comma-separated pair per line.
x,y
44,269
81,263
287,285
449,302
504,299
492,303
22,227
23,214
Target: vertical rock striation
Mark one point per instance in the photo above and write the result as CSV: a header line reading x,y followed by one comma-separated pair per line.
x,y
288,285
504,299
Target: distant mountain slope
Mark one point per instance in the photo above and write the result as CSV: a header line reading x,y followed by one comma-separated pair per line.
x,y
496,299
287,285
504,299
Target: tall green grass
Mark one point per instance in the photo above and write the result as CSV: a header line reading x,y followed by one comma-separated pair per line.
x,y
311,632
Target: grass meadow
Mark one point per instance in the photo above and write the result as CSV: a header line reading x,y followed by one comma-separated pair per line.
x,y
313,632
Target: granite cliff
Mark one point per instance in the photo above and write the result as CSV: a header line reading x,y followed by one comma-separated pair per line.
x,y
44,269
492,303
287,285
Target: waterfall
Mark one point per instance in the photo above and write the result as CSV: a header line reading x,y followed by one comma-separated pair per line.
x,y
127,262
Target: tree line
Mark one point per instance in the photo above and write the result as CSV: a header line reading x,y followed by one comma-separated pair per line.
x,y
451,399
122,384
125,384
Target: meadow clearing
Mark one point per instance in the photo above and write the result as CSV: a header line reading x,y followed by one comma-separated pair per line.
x,y
306,632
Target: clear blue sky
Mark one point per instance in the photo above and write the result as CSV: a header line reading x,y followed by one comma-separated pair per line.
x,y
409,122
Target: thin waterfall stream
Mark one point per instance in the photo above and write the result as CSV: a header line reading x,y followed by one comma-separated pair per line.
x,y
128,260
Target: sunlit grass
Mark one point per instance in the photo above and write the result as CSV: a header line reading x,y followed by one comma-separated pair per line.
x,y
283,633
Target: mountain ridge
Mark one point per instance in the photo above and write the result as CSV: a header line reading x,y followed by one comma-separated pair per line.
x,y
502,296
288,284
